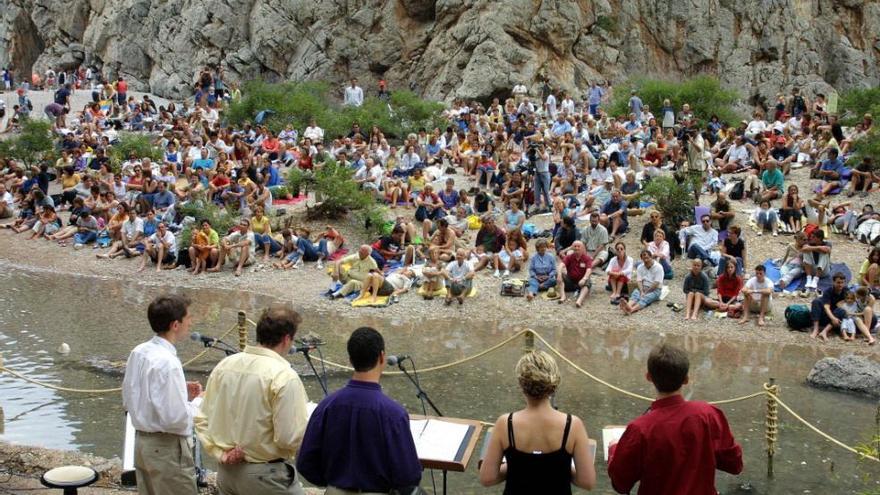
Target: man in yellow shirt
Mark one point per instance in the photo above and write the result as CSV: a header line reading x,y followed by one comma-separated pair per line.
x,y
253,415
360,265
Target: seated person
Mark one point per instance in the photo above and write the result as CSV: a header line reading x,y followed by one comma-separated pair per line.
x,y
204,249
697,288
491,238
619,272
659,249
766,219
361,264
459,277
378,285
733,250
769,186
510,259
757,296
729,284
542,270
574,273
816,257
649,276
698,241
614,215
238,247
86,229
831,172
161,248
824,310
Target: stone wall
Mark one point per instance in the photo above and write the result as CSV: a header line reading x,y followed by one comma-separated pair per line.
x,y
449,48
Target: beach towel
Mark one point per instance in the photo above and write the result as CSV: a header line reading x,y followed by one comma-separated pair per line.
x,y
367,302
290,202
773,273
441,292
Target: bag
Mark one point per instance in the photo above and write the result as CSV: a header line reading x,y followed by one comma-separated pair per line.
x,y
738,190
474,222
529,230
513,287
798,317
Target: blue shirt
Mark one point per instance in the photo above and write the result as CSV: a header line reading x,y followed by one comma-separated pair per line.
x,y
560,128
359,439
542,265
835,165
163,200
596,94
205,163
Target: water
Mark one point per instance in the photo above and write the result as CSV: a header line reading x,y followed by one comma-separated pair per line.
x,y
102,320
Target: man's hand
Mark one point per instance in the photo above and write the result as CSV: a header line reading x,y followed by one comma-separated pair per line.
x,y
835,321
234,455
193,390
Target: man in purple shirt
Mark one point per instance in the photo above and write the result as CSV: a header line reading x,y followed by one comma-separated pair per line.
x,y
358,440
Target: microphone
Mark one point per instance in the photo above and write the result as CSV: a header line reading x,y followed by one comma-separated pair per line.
x,y
395,360
304,348
204,339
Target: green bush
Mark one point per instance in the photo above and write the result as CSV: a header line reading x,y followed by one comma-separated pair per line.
x,y
297,103
337,193
138,145
675,201
221,219
33,145
854,104
703,93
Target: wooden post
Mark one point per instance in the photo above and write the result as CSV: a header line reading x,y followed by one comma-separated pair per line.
x,y
771,425
529,344
242,330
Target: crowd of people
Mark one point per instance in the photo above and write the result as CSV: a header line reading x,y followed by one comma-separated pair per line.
x,y
253,418
464,197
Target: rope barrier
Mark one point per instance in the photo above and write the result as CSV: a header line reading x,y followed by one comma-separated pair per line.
x,y
4,369
769,390
822,433
442,366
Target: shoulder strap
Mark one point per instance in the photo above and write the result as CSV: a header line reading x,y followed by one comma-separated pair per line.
x,y
567,429
510,431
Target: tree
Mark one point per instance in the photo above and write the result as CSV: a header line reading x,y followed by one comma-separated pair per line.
x,y
853,105
138,145
704,94
33,145
673,199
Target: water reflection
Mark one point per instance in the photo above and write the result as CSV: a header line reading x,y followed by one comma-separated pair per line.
x,y
103,319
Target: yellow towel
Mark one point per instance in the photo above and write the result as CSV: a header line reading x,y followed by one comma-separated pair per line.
x,y
367,302
442,292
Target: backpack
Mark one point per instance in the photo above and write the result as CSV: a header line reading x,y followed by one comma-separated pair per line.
x,y
738,190
798,317
513,287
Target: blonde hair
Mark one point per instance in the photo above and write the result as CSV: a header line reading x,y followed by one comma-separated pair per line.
x,y
538,374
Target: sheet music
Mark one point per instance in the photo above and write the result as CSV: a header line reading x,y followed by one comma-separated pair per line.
x,y
437,440
128,445
611,434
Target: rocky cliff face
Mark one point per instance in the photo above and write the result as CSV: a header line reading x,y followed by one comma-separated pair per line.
x,y
449,48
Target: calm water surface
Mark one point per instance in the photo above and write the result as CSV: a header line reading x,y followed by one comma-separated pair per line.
x,y
102,320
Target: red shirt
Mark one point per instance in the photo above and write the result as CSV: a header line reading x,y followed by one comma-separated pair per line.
x,y
728,287
576,266
674,448
121,87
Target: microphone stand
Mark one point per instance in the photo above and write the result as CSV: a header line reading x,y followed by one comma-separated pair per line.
x,y
321,381
423,397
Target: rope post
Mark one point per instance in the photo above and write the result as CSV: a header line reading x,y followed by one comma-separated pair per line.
x,y
529,344
877,437
771,424
242,330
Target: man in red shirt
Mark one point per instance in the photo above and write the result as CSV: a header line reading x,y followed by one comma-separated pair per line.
x,y
574,272
677,445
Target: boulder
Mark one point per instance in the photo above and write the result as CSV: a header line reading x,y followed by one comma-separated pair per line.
x,y
452,48
853,374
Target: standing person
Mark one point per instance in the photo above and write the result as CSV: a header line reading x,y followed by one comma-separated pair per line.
x,y
696,162
354,94
546,450
595,96
542,178
160,403
121,91
254,455
358,440
677,445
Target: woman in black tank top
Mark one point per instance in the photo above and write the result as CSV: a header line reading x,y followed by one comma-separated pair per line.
x,y
525,469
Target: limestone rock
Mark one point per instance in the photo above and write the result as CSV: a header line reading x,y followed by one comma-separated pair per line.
x,y
853,374
452,48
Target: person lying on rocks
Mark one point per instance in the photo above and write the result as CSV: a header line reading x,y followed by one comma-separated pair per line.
x,y
378,285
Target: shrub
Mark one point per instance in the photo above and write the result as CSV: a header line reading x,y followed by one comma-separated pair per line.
x,y
855,103
674,200
137,144
33,145
703,93
337,193
297,103
221,219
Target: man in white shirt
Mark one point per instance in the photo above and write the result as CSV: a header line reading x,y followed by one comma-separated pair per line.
x,y
354,95
158,400
459,275
550,107
738,156
160,247
313,132
703,241
567,105
238,247
758,293
519,92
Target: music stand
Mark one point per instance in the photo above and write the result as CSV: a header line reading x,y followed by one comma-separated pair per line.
x,y
459,441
